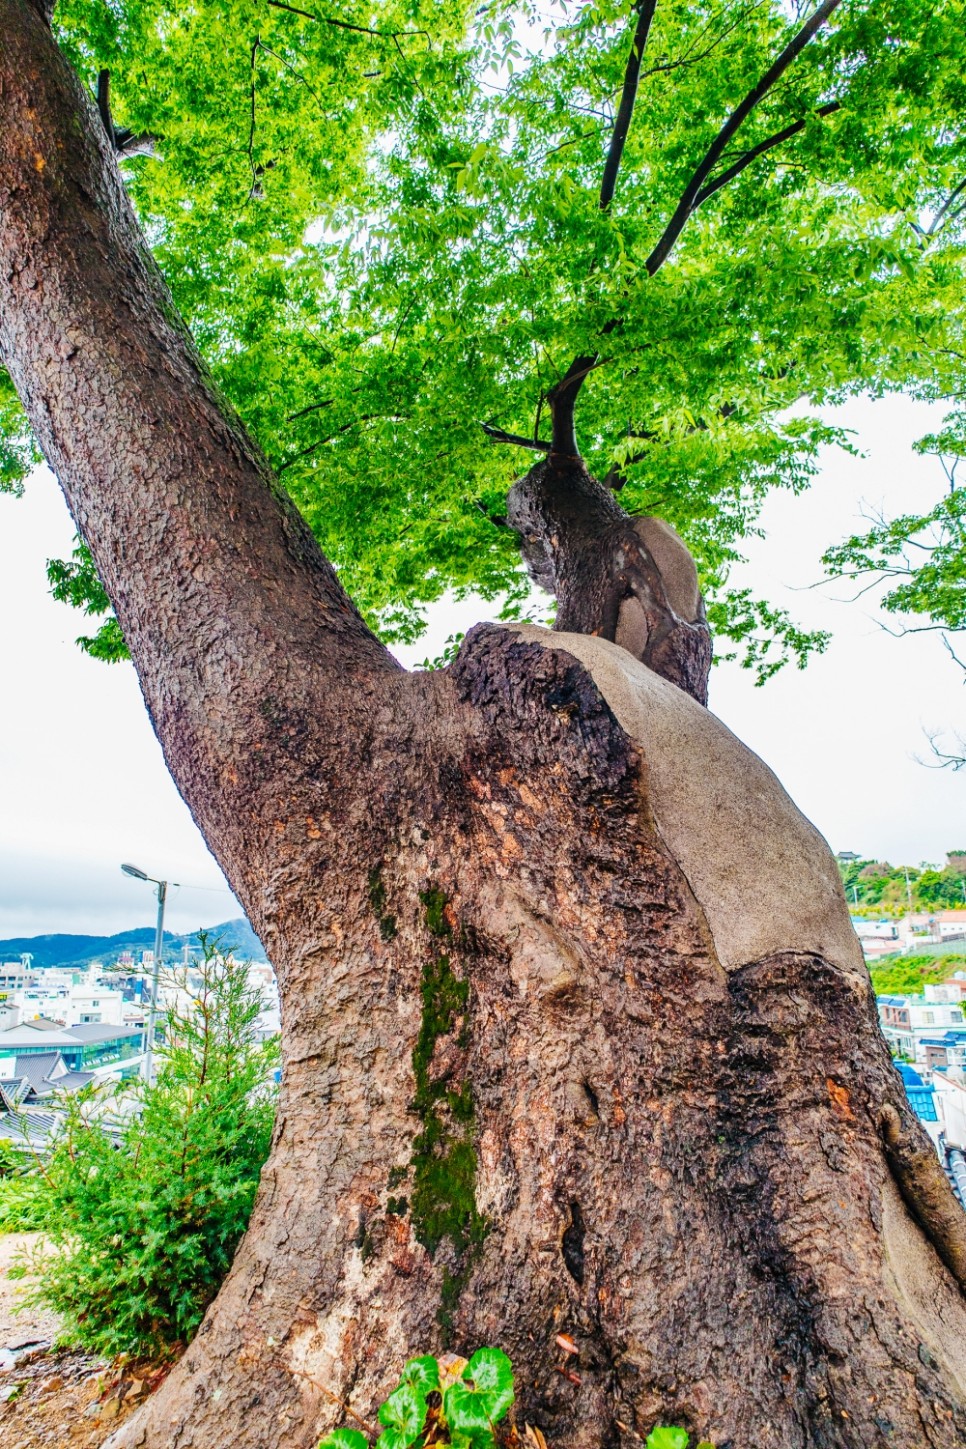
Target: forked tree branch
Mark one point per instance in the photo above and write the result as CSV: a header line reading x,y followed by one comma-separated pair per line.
x,y
689,197
944,209
563,396
625,110
759,150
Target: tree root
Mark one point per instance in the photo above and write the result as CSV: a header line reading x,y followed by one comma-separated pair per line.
x,y
925,1190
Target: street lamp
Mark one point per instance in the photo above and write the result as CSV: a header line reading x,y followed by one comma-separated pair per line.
x,y
162,885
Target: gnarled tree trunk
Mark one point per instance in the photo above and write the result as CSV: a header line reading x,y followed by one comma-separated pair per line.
x,y
577,1035
629,580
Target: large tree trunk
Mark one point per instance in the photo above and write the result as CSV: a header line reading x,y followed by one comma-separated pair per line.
x,y
577,1035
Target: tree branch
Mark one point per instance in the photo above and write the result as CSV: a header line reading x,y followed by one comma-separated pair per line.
x,y
944,209
331,437
499,436
689,197
392,35
625,110
563,396
759,150
125,142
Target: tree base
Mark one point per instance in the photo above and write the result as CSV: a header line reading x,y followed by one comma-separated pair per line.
x,y
587,1046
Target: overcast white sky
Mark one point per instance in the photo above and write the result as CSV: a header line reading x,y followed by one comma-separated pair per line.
x,y
83,784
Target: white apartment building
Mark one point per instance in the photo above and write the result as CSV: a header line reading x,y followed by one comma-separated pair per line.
x,y
908,1022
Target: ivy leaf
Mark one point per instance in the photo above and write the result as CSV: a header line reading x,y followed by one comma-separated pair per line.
x,y
403,1415
344,1439
484,1394
663,1437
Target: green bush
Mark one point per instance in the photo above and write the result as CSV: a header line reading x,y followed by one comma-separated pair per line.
x,y
147,1191
23,1191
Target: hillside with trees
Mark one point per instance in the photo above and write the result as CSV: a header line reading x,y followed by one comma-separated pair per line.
x,y
81,950
898,889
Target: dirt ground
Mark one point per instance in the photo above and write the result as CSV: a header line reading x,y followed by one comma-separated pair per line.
x,y
17,1329
54,1398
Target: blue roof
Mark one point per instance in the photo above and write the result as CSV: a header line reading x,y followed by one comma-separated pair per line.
x,y
909,1075
922,1100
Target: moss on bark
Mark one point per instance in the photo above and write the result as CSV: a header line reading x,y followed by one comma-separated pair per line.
x,y
443,1201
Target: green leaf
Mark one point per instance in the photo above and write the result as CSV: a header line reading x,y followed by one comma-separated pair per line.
x,y
403,1414
422,1373
344,1439
481,1439
663,1437
483,1396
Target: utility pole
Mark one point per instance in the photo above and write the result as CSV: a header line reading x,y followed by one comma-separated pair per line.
x,y
162,886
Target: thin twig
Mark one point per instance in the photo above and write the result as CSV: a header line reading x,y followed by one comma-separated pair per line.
x,y
330,437
937,219
292,71
347,24
312,408
688,58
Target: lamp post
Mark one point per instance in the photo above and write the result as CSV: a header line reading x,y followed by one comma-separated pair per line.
x,y
162,886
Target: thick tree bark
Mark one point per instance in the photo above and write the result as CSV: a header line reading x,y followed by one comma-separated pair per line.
x,y
577,1035
629,580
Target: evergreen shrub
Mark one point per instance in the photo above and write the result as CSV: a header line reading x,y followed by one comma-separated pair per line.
x,y
148,1190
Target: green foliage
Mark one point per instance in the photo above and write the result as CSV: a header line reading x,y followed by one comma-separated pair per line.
x,y
767,636
17,451
75,581
907,975
147,1195
344,1439
662,1437
919,560
449,652
482,1396
23,1190
383,227
458,1403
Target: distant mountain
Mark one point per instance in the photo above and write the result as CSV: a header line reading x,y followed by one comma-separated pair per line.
x,y
81,950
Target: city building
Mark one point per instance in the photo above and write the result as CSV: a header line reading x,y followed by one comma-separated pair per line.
x,y
909,1021
105,1050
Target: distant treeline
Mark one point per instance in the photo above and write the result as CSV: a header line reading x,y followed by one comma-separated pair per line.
x,y
877,883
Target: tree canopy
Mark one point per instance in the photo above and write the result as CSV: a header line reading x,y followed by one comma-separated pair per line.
x,y
389,224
